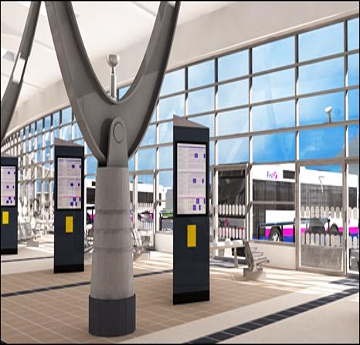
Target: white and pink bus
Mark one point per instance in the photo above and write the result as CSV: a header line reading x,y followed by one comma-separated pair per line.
x,y
321,203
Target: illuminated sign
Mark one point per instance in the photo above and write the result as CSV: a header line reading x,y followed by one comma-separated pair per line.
x,y
8,188
191,179
69,183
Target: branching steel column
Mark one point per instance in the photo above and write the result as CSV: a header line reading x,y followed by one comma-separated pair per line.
x,y
112,130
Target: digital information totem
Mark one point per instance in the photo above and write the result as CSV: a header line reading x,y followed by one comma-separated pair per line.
x,y
69,207
191,266
9,212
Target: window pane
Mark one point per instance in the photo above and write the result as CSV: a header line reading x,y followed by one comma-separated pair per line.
x,y
131,163
39,156
233,150
279,147
47,154
91,165
166,180
32,128
150,136
39,143
312,109
353,66
274,54
122,91
201,74
165,157
27,131
56,119
55,134
47,139
321,76
77,132
153,116
66,116
273,85
315,143
166,132
171,106
233,65
173,82
146,159
39,126
354,141
353,104
212,153
145,179
353,34
38,186
321,42
232,122
205,120
47,122
233,94
273,116
201,101
66,133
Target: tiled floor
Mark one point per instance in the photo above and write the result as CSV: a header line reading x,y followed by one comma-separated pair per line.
x,y
59,314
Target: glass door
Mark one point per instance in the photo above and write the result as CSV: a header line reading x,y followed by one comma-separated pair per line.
x,y
230,203
353,219
322,225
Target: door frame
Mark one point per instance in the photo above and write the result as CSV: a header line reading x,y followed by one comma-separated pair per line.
x,y
342,164
215,196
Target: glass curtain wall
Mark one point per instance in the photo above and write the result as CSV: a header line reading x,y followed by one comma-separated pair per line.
x,y
270,106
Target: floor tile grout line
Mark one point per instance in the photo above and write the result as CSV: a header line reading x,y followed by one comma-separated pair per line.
x,y
71,285
27,259
339,295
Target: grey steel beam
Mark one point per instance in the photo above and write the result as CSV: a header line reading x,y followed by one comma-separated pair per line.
x,y
93,108
12,92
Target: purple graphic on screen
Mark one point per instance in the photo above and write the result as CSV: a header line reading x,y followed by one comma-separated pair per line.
x,y
197,200
71,184
7,187
80,166
204,155
203,181
194,207
199,207
7,201
196,155
71,203
13,187
8,172
79,184
76,204
74,198
73,166
194,180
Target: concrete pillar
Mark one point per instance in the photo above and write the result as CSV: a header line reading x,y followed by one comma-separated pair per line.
x,y
112,298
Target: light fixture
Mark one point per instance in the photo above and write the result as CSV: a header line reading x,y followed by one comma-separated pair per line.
x,y
328,111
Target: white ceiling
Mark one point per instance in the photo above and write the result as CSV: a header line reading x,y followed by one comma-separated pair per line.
x,y
106,27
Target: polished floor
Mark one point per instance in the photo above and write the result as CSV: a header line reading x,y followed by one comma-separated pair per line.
x,y
38,306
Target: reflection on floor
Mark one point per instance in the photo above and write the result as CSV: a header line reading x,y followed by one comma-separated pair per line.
x,y
38,306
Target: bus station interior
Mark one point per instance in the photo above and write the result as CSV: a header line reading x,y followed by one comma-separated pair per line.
x,y
277,85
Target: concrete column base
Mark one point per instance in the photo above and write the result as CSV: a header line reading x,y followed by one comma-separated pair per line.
x,y
111,318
